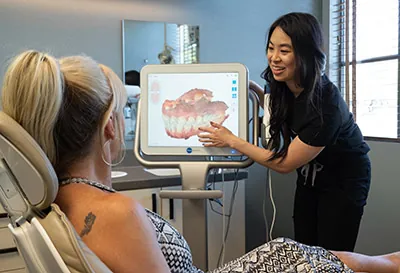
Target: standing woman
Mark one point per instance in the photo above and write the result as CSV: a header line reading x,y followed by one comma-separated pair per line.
x,y
313,132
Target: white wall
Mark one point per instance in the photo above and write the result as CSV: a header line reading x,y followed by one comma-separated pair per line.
x,y
235,31
380,227
66,27
230,30
144,41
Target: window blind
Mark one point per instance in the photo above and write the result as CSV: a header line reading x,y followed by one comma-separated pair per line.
x,y
188,44
364,62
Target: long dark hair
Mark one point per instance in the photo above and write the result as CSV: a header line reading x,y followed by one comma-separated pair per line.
x,y
307,41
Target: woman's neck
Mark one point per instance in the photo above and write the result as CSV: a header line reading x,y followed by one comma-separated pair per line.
x,y
92,168
294,87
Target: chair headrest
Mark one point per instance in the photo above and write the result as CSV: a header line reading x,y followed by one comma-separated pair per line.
x,y
26,174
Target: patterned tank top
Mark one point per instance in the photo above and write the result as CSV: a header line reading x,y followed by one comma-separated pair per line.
x,y
281,255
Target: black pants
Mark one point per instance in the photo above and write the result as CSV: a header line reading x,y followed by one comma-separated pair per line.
x,y
329,216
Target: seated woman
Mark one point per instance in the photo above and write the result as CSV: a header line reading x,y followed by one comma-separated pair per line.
x,y
73,109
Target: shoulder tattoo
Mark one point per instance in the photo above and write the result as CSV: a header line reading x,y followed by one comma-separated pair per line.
x,y
89,221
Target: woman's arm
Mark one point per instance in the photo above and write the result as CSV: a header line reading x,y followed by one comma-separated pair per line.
x,y
389,263
298,154
123,237
311,140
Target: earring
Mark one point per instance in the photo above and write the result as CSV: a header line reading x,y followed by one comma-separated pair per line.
x,y
121,153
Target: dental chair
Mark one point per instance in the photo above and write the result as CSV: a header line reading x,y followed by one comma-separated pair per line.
x,y
28,187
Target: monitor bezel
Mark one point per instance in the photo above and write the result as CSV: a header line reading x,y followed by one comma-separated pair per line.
x,y
193,68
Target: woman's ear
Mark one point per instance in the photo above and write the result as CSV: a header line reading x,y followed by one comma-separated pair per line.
x,y
109,130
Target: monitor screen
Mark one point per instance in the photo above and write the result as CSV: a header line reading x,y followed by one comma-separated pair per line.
x,y
178,99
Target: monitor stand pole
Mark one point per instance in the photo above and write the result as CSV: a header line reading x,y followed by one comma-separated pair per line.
x,y
194,208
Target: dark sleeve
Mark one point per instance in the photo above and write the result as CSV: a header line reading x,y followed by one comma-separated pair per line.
x,y
320,132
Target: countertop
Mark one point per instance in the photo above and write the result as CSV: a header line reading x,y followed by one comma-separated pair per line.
x,y
138,178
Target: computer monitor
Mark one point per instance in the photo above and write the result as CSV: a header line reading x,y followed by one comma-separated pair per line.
x,y
177,99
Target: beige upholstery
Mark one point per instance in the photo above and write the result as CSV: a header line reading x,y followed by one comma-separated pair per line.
x,y
28,187
28,147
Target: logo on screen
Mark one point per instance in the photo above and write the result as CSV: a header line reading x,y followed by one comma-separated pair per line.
x,y
189,150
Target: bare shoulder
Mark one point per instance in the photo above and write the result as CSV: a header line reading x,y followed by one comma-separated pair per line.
x,y
102,214
122,225
119,203
118,208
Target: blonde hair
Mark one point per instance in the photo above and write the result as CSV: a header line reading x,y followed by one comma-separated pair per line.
x,y
32,95
119,98
62,105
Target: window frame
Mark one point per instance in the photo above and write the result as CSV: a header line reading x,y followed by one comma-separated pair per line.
x,y
330,17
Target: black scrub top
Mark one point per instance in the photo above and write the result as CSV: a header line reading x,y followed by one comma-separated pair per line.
x,y
345,156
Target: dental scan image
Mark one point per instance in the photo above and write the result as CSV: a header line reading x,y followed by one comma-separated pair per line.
x,y
182,117
179,104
